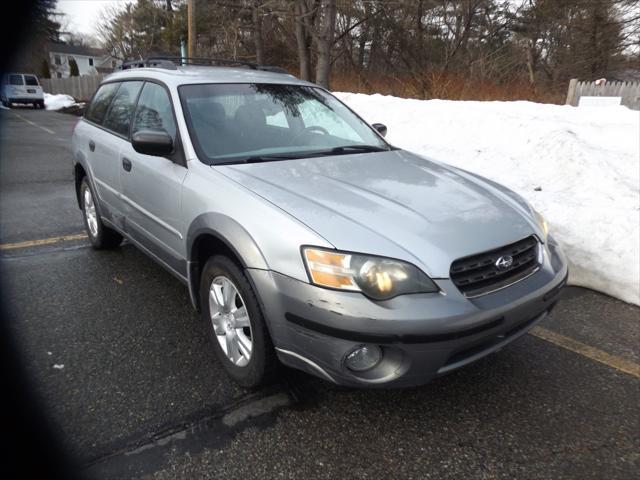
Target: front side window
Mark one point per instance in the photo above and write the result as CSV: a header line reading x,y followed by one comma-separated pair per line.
x,y
15,80
31,80
101,101
119,116
154,111
239,122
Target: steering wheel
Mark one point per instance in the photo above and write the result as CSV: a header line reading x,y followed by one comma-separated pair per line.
x,y
307,130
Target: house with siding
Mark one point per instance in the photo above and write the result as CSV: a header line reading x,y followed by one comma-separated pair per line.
x,y
90,61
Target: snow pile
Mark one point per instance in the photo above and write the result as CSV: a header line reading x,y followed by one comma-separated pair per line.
x,y
56,102
579,167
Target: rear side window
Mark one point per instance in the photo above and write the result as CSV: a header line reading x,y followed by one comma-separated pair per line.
x,y
101,101
15,80
31,80
154,111
119,116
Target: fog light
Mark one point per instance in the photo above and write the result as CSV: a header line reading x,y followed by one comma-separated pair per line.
x,y
364,358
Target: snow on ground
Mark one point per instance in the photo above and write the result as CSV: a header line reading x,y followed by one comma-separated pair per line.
x,y
585,161
56,102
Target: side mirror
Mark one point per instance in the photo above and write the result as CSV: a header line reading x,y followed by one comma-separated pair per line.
x,y
152,142
382,129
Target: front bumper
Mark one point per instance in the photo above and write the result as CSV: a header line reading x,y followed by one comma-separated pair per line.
x,y
422,335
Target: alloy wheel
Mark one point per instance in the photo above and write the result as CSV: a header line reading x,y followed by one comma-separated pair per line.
x,y
90,212
230,321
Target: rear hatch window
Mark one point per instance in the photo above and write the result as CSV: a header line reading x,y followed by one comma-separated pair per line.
x,y
31,80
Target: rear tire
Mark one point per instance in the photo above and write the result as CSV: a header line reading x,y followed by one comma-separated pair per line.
x,y
100,236
235,323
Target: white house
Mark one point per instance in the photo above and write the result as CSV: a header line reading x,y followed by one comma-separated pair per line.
x,y
90,61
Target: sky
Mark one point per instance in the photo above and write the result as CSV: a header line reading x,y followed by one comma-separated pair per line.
x,y
81,16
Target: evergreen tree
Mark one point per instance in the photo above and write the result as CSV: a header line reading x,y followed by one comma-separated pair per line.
x,y
45,72
73,68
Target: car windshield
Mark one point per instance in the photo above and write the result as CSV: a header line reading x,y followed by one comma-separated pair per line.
x,y
232,123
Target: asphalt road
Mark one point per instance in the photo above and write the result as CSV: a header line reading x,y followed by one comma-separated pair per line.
x,y
123,365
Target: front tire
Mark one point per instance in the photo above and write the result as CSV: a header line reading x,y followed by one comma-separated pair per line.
x,y
100,236
235,323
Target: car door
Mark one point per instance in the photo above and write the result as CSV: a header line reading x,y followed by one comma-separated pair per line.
x,y
102,151
152,186
34,90
118,122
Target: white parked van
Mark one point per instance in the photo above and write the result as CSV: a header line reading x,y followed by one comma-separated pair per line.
x,y
21,88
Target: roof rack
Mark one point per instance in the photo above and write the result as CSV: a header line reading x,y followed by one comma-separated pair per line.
x,y
172,63
149,62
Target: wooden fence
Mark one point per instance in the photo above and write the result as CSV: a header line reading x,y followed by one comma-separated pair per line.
x,y
80,88
629,92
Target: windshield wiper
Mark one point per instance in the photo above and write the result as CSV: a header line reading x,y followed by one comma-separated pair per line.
x,y
268,158
358,148
346,149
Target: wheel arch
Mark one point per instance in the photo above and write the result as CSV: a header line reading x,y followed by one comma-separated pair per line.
x,y
217,234
78,174
80,171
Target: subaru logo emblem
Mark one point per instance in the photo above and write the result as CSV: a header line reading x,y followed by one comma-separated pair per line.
x,y
504,262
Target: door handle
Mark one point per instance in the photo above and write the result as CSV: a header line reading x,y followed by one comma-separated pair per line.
x,y
92,145
126,164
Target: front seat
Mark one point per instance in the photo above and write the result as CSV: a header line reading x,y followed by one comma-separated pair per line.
x,y
213,129
250,122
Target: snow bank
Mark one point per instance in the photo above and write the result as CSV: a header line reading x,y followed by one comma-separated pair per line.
x,y
584,162
56,102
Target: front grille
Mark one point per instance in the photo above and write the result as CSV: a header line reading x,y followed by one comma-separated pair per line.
x,y
478,274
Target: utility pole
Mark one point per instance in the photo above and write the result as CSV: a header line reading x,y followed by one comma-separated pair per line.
x,y
191,27
183,51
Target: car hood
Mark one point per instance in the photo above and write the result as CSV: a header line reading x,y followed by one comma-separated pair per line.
x,y
394,204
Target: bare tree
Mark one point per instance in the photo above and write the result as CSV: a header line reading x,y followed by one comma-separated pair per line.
x,y
324,40
305,12
423,47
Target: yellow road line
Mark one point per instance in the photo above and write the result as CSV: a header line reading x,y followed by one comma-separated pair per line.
x,y
34,124
43,241
613,361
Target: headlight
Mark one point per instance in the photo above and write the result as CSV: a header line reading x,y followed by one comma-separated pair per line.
x,y
543,224
376,277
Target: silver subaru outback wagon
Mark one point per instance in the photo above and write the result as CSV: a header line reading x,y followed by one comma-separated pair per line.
x,y
305,238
